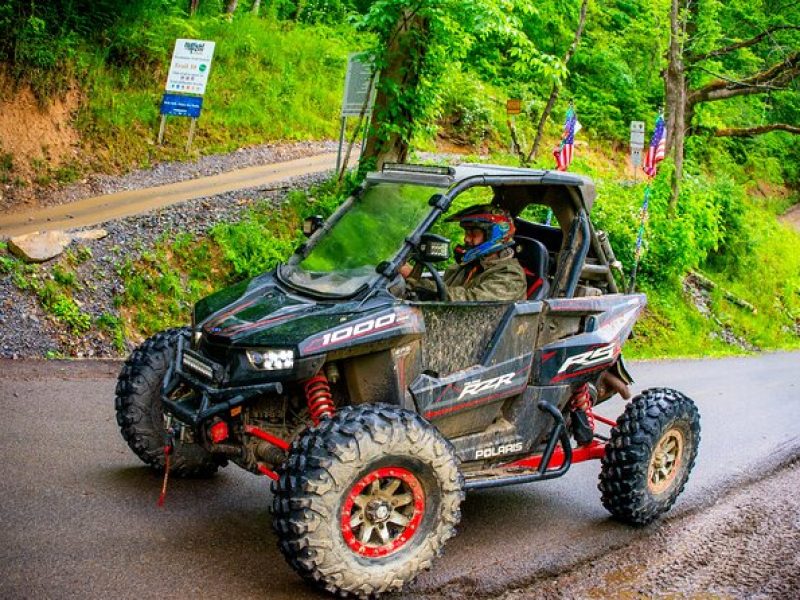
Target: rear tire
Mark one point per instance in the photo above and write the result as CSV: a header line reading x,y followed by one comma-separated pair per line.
x,y
366,500
650,455
140,414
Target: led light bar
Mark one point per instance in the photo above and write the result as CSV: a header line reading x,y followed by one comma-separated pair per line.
x,y
271,359
198,366
428,169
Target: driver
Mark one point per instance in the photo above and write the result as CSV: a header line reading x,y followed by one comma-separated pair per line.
x,y
485,266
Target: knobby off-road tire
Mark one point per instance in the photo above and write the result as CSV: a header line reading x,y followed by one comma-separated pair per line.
x,y
346,475
140,415
650,455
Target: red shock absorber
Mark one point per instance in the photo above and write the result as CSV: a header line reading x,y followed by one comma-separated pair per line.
x,y
582,401
318,396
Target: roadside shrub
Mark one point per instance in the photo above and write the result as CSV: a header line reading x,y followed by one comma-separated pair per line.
x,y
256,243
465,109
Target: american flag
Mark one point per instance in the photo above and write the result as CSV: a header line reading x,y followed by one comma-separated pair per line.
x,y
563,152
657,149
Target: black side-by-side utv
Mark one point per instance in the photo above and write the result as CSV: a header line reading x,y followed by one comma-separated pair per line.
x,y
374,409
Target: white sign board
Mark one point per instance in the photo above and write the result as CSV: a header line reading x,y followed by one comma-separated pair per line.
x,y
637,134
191,64
636,156
357,85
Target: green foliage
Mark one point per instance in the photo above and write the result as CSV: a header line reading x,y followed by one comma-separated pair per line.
x,y
64,277
465,109
269,81
62,306
6,166
672,328
157,291
114,326
251,246
413,49
42,41
708,225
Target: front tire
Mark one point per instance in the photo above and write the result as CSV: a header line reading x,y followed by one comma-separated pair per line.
x,y
366,500
140,414
650,455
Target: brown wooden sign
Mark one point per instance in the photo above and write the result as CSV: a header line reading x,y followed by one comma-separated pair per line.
x,y
513,106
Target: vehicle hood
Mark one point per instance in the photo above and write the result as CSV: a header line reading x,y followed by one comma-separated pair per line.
x,y
261,313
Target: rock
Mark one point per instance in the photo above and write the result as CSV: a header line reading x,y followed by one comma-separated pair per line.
x,y
92,234
39,247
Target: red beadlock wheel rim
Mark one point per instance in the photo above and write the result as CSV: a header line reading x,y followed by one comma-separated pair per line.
x,y
382,512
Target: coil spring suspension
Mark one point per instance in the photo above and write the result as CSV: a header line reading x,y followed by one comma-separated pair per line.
x,y
318,396
582,400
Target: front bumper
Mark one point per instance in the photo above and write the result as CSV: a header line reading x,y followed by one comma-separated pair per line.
x,y
204,399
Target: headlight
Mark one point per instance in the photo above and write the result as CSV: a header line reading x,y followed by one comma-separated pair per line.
x,y
271,360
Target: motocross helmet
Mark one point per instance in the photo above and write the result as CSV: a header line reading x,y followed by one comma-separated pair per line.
x,y
497,225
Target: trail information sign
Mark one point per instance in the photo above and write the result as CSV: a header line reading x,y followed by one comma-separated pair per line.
x,y
513,106
357,85
359,95
186,83
191,64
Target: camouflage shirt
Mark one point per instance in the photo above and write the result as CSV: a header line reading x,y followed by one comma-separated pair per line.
x,y
498,276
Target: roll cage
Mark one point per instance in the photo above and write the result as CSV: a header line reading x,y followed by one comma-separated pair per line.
x,y
579,263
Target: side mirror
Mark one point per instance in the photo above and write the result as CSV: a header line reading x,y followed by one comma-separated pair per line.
x,y
434,248
311,224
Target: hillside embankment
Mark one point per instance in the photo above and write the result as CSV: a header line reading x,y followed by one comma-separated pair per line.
x,y
31,325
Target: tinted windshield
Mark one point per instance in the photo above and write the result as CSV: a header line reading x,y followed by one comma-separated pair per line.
x,y
372,231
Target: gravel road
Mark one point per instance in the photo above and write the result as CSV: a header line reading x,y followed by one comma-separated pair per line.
x,y
169,172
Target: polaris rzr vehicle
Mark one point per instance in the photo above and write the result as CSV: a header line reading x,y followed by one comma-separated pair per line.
x,y
373,409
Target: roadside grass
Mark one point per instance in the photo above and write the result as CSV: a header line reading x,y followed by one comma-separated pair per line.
x,y
671,327
769,279
163,284
53,290
270,80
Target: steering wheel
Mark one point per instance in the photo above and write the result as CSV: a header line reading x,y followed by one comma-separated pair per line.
x,y
421,293
441,290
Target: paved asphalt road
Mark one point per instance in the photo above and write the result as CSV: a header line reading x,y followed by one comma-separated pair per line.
x,y
79,516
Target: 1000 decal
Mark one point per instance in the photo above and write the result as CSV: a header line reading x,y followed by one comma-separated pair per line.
x,y
363,328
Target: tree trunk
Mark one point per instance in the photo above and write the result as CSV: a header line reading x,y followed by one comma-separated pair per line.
x,y
675,92
551,101
231,7
193,6
392,122
256,7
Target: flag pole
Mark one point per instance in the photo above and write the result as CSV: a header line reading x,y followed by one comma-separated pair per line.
x,y
655,154
639,238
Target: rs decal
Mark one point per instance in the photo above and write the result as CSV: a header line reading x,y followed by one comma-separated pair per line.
x,y
345,333
476,387
587,359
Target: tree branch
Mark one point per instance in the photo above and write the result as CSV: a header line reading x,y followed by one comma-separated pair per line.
x,y
551,101
776,76
751,131
740,83
693,58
